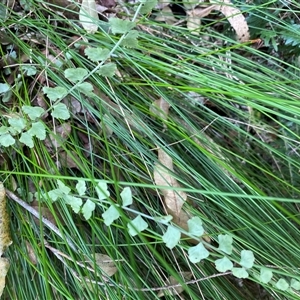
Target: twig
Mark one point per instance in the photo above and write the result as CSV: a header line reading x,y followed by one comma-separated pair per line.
x,y
160,288
60,256
46,222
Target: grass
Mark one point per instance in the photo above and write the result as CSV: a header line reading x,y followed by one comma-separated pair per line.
x,y
232,133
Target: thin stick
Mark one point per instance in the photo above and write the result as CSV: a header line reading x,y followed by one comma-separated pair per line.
x,y
46,222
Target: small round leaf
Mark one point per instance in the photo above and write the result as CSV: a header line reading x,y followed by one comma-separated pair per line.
x,y
171,237
282,284
223,264
247,259
197,253
265,275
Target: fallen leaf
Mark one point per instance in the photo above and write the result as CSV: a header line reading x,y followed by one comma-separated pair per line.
x,y
235,18
62,132
76,106
69,159
160,108
88,16
105,263
173,199
194,18
31,254
233,15
44,211
172,281
163,176
193,22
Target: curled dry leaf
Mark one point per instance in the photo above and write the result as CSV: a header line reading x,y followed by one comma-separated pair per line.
x,y
191,4
193,22
173,200
108,3
233,15
194,18
235,18
40,101
65,7
75,106
172,281
63,4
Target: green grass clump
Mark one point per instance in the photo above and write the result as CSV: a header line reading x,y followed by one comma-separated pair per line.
x,y
231,131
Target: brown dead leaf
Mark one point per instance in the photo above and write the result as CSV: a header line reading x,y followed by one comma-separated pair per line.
x,y
40,101
75,106
235,18
31,254
62,132
44,211
172,281
68,159
201,11
105,263
160,108
163,176
173,199
233,15
101,9
194,18
193,22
